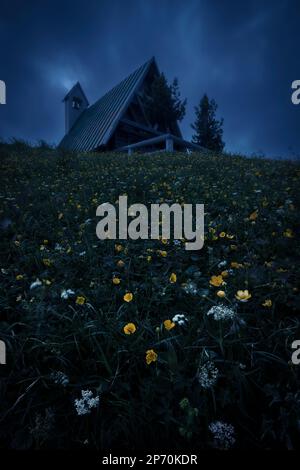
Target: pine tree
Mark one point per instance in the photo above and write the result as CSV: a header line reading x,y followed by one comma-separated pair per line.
x,y
208,129
163,103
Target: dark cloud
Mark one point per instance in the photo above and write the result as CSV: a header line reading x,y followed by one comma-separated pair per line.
x,y
242,54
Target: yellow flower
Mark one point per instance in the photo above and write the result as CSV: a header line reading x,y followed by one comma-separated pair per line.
x,y
224,273
221,293
60,216
129,329
269,264
168,324
19,277
46,262
236,265
128,297
288,233
229,236
164,241
118,248
151,356
80,300
116,281
45,242
222,234
254,215
243,295
162,253
149,258
173,278
120,263
267,303
216,281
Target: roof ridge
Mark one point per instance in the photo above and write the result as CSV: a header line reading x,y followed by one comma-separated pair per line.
x,y
124,79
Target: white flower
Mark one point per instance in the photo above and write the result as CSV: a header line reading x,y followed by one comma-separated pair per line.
x,y
82,253
222,264
58,247
86,403
35,284
223,434
221,312
190,288
180,319
67,293
59,378
208,375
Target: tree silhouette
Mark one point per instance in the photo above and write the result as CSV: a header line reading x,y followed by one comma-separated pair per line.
x,y
208,129
163,104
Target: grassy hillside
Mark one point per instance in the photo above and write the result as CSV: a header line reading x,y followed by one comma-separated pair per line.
x,y
211,382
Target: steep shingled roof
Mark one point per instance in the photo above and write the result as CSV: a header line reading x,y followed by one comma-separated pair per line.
x,y
95,125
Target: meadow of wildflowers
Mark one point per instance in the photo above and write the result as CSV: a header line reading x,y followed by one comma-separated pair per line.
x,y
143,344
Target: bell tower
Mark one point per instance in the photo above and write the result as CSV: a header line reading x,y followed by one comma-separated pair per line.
x,y
75,103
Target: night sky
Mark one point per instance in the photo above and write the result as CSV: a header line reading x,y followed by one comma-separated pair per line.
x,y
245,55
